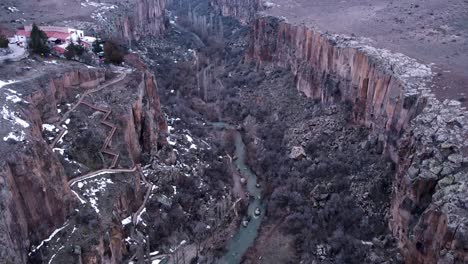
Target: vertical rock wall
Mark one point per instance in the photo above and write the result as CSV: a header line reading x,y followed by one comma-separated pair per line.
x,y
243,10
383,87
34,191
147,129
141,18
427,139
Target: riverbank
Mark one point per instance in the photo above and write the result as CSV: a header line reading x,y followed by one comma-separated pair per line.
x,y
301,190
247,232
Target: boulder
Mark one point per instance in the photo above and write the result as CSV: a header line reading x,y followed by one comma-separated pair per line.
x,y
297,152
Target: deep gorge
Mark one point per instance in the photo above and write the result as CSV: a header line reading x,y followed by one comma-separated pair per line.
x,y
386,93
357,161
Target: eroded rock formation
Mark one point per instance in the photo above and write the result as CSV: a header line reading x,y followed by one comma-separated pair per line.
x,y
389,94
36,197
35,193
142,18
243,10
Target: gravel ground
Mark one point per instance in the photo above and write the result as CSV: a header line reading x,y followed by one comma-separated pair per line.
x,y
432,31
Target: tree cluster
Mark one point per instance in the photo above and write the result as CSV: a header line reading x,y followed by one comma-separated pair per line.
x,y
3,41
113,53
315,197
74,50
97,46
38,41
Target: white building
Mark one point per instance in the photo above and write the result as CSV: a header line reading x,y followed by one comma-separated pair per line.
x,y
63,34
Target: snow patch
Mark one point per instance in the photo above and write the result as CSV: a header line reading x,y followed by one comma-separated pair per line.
x,y
17,136
7,115
81,200
55,254
48,127
93,202
12,9
2,83
140,214
49,238
127,221
171,142
96,187
14,98
59,150
61,137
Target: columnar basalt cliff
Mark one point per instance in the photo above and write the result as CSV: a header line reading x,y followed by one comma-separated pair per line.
x,y
427,139
141,19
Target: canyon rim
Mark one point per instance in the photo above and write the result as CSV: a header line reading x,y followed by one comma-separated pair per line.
x,y
234,131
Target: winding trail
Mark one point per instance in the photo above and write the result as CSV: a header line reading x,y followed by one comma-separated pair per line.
x,y
103,121
100,172
105,147
147,195
135,215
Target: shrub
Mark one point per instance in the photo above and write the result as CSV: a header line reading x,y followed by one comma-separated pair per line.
x,y
97,46
113,53
3,41
73,50
38,41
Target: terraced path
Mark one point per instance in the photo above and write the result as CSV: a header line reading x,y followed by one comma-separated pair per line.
x,y
105,147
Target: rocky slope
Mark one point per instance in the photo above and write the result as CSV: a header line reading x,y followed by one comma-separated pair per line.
x,y
388,92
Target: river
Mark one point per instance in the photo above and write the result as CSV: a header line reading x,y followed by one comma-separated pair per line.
x,y
245,236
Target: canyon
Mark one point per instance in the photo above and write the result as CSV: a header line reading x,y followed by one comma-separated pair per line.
x,y
360,151
390,96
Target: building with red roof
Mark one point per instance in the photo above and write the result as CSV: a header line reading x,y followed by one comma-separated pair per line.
x,y
58,50
58,38
57,35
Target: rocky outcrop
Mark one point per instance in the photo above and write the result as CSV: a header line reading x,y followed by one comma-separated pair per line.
x,y
243,10
62,90
382,86
35,198
34,192
146,129
388,92
142,18
428,213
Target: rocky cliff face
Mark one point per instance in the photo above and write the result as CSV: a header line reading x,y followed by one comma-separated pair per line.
x,y
382,86
388,92
149,119
35,195
34,189
243,10
142,18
